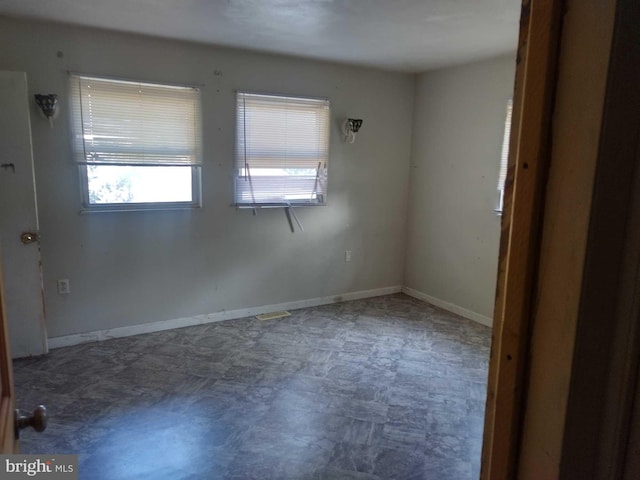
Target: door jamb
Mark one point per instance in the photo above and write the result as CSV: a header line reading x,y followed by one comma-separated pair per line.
x,y
533,100
607,346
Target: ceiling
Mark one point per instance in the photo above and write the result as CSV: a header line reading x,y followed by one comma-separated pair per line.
x,y
402,35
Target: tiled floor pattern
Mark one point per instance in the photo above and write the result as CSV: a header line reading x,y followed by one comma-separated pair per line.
x,y
382,388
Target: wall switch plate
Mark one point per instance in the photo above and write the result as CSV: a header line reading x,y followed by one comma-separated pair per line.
x,y
64,287
347,255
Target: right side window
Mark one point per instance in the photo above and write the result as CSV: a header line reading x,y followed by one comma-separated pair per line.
x,y
504,158
282,150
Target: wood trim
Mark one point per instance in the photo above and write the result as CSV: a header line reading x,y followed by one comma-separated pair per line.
x,y
8,443
118,332
520,238
7,426
631,467
450,307
623,400
607,346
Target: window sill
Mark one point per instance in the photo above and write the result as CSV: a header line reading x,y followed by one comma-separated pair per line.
x,y
138,208
258,206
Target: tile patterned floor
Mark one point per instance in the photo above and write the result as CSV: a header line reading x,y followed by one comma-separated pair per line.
x,y
383,388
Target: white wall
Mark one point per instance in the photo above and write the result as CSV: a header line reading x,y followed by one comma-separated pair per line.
x,y
139,267
453,234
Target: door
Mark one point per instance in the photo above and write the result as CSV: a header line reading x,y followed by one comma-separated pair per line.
x,y
8,442
24,305
12,421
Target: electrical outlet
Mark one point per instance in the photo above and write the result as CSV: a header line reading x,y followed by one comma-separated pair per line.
x,y
347,255
64,287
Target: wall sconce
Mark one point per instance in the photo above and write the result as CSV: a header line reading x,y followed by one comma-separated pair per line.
x,y
48,104
350,127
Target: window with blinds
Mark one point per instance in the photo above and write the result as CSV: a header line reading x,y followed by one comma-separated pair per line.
x,y
138,145
282,150
504,158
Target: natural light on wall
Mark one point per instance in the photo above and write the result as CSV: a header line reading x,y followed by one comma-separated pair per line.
x,y
137,144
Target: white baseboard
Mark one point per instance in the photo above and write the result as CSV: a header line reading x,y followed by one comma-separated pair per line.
x,y
100,335
463,312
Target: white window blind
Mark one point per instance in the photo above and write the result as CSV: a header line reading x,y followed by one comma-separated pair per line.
x,y
504,158
132,123
282,149
137,145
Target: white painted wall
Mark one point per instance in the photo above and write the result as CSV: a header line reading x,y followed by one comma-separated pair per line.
x,y
453,234
139,267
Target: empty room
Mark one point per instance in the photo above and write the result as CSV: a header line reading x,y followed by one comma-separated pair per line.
x,y
253,240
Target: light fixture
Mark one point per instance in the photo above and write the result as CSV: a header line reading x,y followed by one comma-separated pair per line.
x,y
48,104
350,127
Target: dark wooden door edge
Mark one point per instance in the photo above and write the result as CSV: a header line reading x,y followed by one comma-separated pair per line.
x,y
520,239
605,360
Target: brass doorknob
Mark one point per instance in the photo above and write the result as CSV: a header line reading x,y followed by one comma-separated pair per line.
x,y
38,420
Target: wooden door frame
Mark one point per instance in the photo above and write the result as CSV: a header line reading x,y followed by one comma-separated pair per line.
x,y
520,237
8,442
607,345
602,387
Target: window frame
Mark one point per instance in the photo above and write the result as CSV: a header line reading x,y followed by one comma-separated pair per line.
x,y
196,169
292,204
87,206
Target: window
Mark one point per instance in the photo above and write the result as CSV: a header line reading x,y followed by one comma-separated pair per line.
x,y
282,148
504,158
137,144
